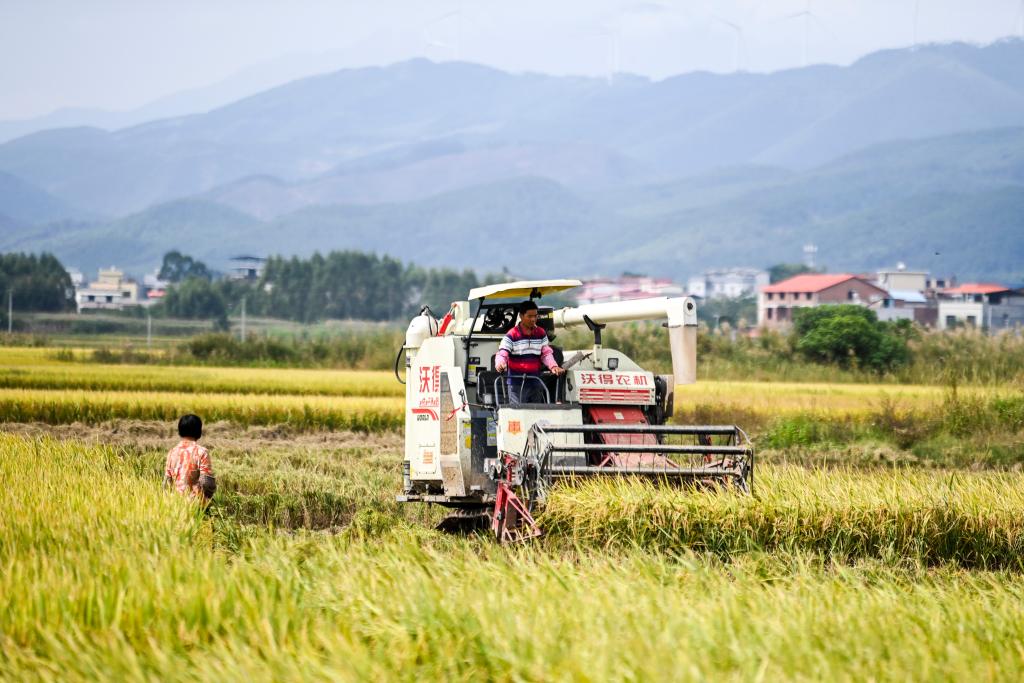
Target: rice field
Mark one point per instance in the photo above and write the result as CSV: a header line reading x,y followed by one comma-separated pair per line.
x,y
814,397
302,412
32,368
39,368
106,576
927,517
44,387
306,567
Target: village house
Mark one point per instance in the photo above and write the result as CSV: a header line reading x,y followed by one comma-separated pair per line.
x,y
727,283
981,304
112,290
775,303
247,267
901,279
625,288
906,304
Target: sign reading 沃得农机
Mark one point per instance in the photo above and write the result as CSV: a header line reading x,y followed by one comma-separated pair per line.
x,y
596,386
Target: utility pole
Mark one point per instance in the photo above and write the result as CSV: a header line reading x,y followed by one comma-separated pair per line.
x,y
10,311
149,330
243,318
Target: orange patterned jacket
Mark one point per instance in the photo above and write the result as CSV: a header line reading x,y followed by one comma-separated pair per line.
x,y
185,462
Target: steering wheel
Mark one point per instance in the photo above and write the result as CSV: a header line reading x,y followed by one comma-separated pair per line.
x,y
498,319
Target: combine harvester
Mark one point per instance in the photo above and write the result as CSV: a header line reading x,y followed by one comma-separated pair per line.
x,y
467,448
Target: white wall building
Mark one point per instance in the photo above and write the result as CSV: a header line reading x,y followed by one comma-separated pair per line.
x,y
902,279
112,290
625,288
247,267
727,283
979,304
908,304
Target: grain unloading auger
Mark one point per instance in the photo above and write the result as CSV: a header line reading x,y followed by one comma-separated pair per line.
x,y
469,449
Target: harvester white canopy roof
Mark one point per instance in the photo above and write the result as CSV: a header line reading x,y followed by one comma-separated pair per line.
x,y
522,289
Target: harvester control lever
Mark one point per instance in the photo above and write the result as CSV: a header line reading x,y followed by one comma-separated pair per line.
x,y
595,328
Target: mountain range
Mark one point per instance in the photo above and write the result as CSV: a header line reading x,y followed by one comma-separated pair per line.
x,y
914,155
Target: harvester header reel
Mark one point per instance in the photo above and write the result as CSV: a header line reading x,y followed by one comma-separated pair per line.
x,y
701,455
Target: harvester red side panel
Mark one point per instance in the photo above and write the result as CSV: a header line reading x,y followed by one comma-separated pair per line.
x,y
625,415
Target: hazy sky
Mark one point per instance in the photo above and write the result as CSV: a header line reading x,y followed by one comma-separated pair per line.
x,y
120,54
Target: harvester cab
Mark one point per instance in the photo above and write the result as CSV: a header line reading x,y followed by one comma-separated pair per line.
x,y
491,460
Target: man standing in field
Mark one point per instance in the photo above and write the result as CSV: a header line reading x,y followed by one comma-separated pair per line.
x,y
524,350
188,464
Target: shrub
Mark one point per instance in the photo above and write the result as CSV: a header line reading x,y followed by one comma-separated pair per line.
x,y
849,336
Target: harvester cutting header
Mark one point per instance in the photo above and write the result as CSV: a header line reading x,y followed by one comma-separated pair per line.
x,y
489,445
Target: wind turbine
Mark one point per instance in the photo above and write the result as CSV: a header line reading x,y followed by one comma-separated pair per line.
x,y
737,62
917,14
612,29
612,54
445,18
808,16
609,30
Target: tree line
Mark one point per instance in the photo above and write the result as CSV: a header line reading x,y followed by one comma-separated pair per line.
x,y
36,283
337,285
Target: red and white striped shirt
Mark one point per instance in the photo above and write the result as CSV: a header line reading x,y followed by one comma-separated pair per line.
x,y
525,352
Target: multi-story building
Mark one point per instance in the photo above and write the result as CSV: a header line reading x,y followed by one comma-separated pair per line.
x,y
776,303
902,279
981,304
625,288
727,283
153,288
77,279
112,290
907,304
247,267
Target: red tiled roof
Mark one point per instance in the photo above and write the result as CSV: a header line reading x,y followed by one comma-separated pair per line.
x,y
976,288
809,282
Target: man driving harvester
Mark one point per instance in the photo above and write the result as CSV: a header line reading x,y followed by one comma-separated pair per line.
x,y
524,351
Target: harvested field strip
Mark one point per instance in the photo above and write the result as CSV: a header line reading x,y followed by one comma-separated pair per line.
x,y
107,576
974,520
300,412
94,377
311,488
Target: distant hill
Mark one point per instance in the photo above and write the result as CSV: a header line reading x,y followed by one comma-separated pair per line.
x,y
243,83
472,228
953,204
24,204
423,171
950,204
138,242
373,135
